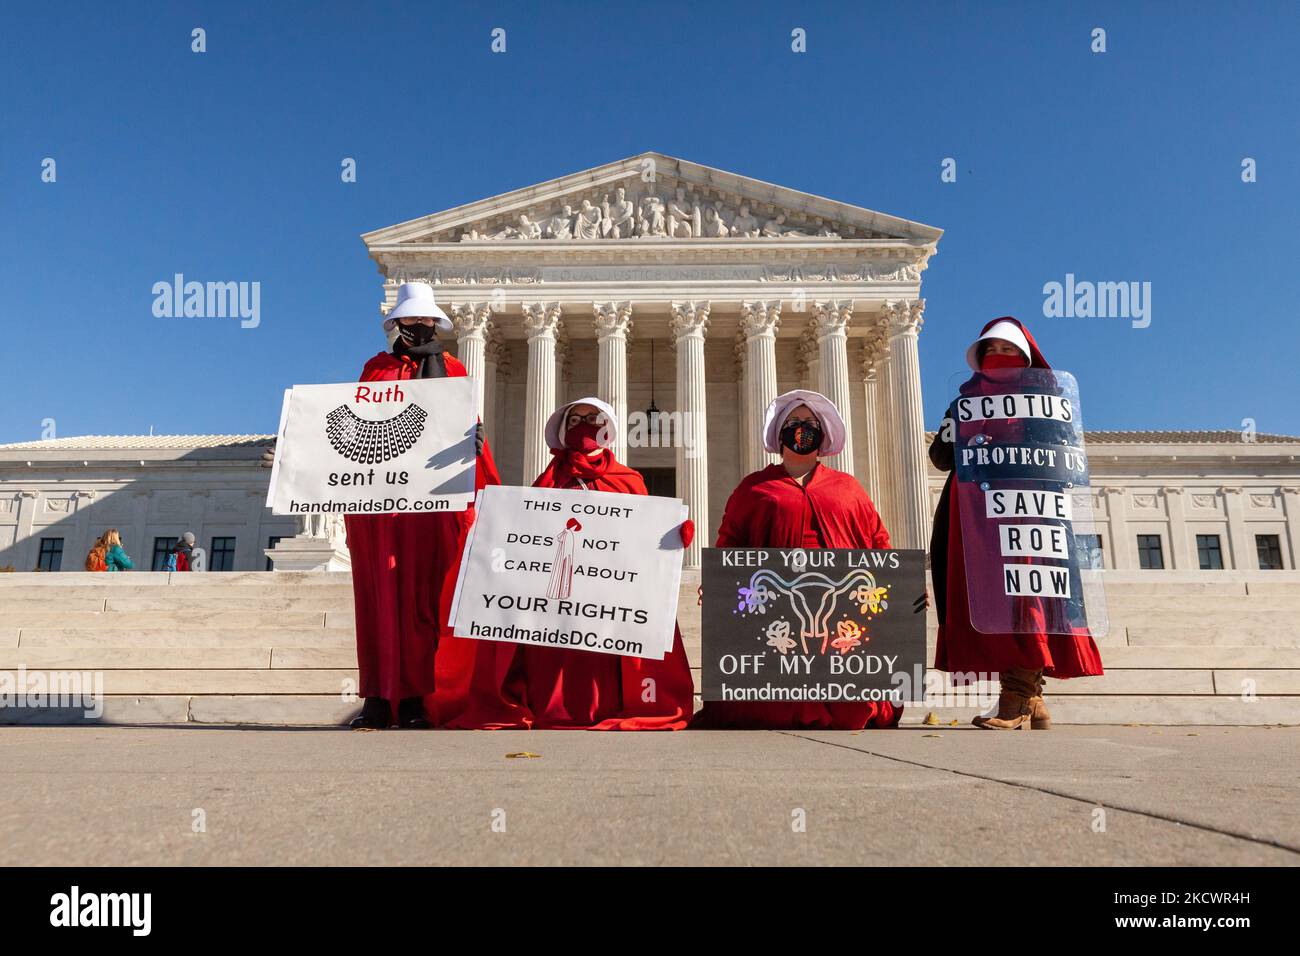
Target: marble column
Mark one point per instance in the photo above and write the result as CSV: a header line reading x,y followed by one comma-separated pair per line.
x,y
472,322
1291,508
541,322
1181,549
1123,547
873,422
493,356
690,321
887,434
913,504
613,321
758,324
1244,554
830,324
744,439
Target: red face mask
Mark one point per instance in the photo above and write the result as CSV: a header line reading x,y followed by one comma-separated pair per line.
x,y
582,437
991,361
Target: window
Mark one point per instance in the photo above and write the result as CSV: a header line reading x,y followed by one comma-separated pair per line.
x,y
1150,554
221,556
51,558
1207,549
1269,549
160,548
660,481
271,542
1089,548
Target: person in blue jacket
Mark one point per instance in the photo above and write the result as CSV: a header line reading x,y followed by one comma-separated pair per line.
x,y
114,554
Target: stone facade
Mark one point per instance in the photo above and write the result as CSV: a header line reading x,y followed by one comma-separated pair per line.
x,y
1174,485
71,490
739,289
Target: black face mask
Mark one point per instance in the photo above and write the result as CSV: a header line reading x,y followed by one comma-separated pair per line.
x,y
417,334
802,438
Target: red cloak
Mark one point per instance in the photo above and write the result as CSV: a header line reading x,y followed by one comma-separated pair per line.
x,y
404,572
770,509
520,686
961,648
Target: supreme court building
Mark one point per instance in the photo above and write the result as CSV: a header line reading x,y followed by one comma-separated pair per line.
x,y
688,298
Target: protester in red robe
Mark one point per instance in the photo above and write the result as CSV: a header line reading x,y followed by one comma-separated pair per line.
x,y
546,688
1022,660
404,565
800,503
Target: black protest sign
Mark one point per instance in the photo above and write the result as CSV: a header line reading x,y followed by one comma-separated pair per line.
x,y
832,625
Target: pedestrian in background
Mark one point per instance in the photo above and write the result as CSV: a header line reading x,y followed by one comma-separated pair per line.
x,y
115,556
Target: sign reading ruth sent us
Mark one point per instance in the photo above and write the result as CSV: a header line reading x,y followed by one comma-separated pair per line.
x,y
375,448
826,625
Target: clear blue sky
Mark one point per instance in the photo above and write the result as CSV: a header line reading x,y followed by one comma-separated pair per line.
x,y
1117,166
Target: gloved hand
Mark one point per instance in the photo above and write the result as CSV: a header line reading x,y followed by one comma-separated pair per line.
x,y
479,438
268,456
687,532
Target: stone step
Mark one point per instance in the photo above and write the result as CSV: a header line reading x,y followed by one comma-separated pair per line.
x,y
63,579
1244,633
150,657
186,620
230,681
266,636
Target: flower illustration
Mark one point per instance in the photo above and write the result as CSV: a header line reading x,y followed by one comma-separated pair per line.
x,y
755,600
778,636
870,599
849,634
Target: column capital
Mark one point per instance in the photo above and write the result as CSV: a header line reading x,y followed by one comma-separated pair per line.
x,y
1173,489
471,319
830,318
611,319
759,318
690,320
875,352
1231,490
904,316
542,319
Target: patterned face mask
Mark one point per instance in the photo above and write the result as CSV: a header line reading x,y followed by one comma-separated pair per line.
x,y
417,333
802,438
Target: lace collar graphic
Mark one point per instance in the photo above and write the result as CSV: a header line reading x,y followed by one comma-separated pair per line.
x,y
373,443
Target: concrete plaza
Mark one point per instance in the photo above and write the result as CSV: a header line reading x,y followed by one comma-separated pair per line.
x,y
1097,795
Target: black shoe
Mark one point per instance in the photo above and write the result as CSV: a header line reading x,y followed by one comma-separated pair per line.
x,y
375,714
410,714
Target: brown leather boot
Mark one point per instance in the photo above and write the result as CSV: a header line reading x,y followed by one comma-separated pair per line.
x,y
1015,710
1039,718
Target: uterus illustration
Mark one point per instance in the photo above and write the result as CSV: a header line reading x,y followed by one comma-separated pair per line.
x,y
813,596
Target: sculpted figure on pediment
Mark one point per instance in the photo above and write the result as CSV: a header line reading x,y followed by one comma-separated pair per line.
x,y
745,224
776,228
589,222
561,224
651,220
619,221
683,216
715,226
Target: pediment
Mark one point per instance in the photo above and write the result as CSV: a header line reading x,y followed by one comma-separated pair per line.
x,y
662,199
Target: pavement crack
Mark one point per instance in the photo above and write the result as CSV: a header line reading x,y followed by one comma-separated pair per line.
x,y
1151,814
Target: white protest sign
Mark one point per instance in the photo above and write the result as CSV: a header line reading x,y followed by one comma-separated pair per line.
x,y
585,570
375,448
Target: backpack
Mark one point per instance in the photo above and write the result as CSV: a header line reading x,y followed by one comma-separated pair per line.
x,y
95,559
